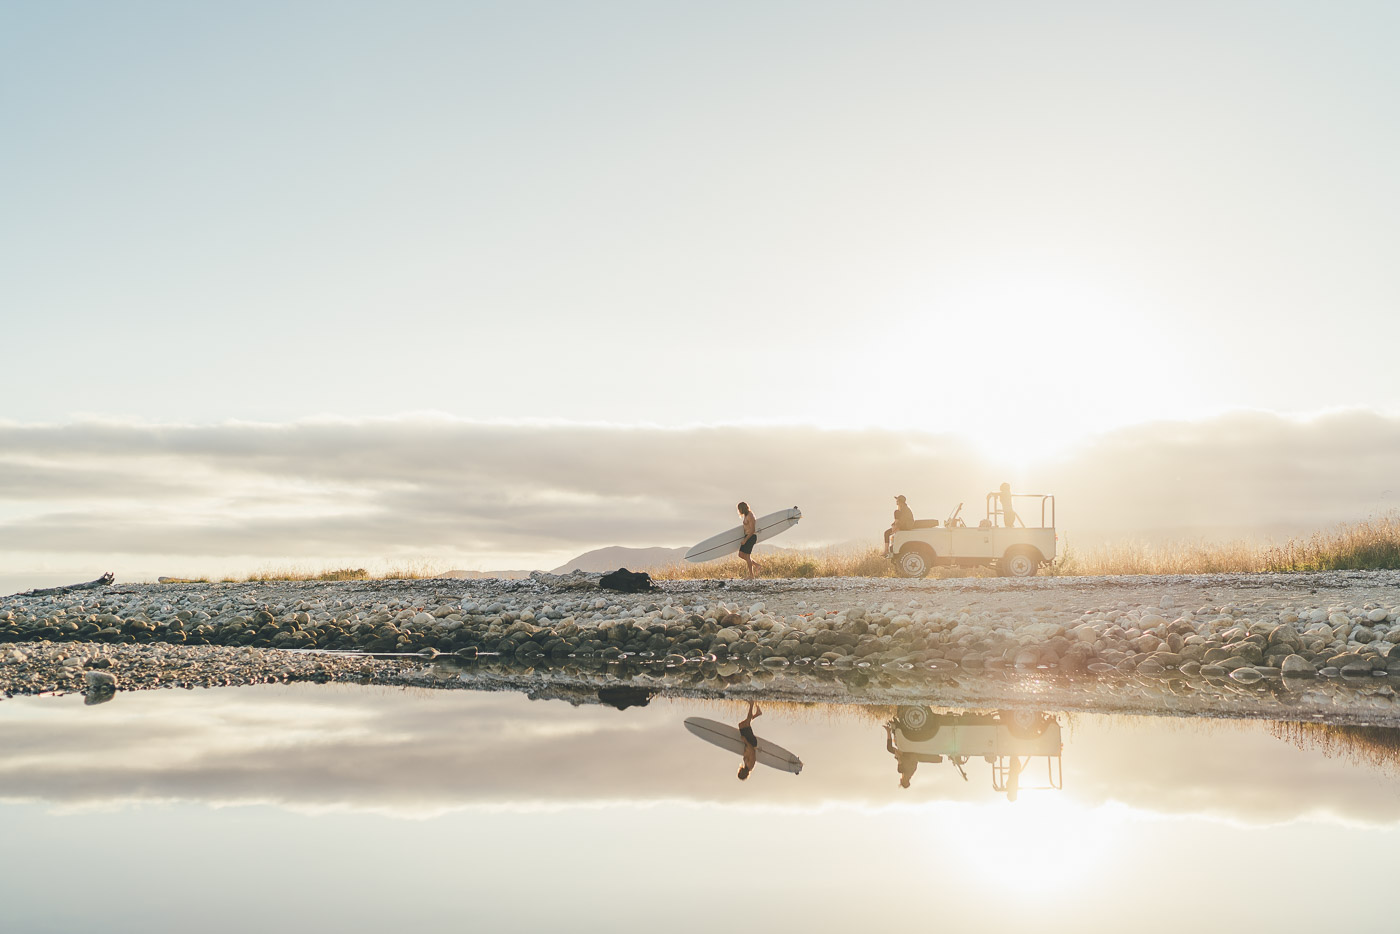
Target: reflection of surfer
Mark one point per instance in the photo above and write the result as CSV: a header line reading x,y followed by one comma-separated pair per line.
x,y
750,741
906,762
750,538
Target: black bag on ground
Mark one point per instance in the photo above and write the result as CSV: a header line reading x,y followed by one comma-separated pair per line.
x,y
626,581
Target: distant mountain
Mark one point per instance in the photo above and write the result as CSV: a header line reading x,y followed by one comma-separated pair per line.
x,y
620,556
482,575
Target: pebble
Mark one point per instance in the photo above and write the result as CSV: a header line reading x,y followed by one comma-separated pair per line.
x,y
1124,634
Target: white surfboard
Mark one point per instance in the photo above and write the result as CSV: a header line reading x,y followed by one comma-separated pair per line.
x,y
726,736
727,543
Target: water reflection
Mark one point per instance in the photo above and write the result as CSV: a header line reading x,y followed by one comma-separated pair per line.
x,y
1007,740
421,753
752,749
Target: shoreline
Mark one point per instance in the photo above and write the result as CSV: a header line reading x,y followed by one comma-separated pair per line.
x,y
1324,644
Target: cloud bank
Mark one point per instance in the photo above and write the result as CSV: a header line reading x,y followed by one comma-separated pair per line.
x,y
439,486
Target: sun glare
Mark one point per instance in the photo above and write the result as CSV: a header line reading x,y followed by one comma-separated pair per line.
x,y
1027,362
1040,844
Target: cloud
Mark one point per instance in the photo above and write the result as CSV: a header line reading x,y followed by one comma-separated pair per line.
x,y
439,485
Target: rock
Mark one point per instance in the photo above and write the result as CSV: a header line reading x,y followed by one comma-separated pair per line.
x,y
1246,675
1378,615
100,681
1297,665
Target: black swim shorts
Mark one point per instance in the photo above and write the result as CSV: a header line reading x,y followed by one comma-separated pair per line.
x,y
747,733
747,547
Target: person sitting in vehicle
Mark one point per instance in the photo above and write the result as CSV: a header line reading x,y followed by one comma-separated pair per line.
x,y
903,520
907,763
1008,515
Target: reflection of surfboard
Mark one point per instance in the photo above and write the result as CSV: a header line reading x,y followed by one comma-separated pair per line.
x,y
727,543
726,736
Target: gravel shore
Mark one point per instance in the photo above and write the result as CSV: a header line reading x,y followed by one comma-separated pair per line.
x,y
1317,643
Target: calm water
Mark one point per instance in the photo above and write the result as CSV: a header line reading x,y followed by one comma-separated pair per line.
x,y
365,809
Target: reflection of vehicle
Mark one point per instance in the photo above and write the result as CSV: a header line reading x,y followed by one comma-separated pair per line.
x,y
1014,552
1007,739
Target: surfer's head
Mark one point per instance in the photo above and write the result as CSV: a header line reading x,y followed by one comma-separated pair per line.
x,y
743,509
743,772
1006,488
899,499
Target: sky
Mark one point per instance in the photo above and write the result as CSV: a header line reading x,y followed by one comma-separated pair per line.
x,y
1014,227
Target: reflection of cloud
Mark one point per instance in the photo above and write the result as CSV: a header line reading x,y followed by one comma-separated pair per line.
x,y
317,747
382,486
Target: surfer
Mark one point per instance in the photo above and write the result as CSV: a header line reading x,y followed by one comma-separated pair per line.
x,y
750,539
750,740
1008,515
903,520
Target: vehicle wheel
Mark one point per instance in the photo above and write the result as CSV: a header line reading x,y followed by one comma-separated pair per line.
x,y
914,561
1024,724
1019,564
917,723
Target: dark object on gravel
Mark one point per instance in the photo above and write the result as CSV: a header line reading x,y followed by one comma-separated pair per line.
x,y
104,581
624,697
626,581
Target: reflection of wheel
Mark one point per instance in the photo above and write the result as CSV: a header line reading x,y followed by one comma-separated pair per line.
x,y
1019,564
917,723
914,561
1024,724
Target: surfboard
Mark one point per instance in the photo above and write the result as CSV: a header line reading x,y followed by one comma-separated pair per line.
x,y
726,736
727,543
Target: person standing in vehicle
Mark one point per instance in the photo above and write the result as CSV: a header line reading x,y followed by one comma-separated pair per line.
x,y
903,520
1008,515
750,539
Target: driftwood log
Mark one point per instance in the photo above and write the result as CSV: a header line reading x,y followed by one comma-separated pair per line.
x,y
104,581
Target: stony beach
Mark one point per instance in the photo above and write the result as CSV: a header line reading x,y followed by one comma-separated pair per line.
x,y
1311,645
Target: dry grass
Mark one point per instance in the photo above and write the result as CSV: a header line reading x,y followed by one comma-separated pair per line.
x,y
1373,544
865,563
412,570
1369,545
1378,747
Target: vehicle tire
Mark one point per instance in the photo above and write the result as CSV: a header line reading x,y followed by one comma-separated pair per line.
x,y
914,561
917,723
1024,724
1019,562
